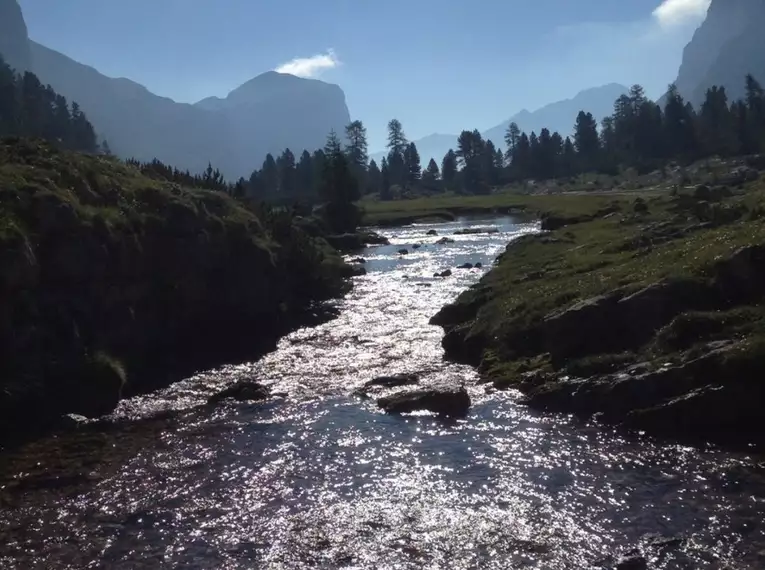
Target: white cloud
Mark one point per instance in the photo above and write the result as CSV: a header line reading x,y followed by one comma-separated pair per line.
x,y
677,12
310,66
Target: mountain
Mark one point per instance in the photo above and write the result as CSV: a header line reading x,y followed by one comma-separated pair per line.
x,y
559,116
267,114
13,35
728,45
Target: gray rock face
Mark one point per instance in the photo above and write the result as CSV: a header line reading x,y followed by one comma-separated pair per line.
x,y
14,43
727,46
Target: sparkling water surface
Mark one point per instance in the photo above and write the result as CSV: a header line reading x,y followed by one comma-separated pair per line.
x,y
319,478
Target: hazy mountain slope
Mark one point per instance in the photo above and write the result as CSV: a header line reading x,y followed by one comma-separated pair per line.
x,y
559,116
727,46
267,114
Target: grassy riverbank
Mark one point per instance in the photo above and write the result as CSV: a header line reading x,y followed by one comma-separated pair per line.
x,y
644,310
402,212
107,276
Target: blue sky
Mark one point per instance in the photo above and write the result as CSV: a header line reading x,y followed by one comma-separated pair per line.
x,y
438,66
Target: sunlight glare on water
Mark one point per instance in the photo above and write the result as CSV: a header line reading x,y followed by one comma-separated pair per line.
x,y
321,479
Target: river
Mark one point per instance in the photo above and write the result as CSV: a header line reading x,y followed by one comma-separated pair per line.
x,y
319,478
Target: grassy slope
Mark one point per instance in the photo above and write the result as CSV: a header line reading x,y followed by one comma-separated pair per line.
x,y
105,273
504,323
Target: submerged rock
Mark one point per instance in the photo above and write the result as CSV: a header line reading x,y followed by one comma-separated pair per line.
x,y
244,391
403,252
445,241
432,233
465,266
393,381
474,231
453,402
632,563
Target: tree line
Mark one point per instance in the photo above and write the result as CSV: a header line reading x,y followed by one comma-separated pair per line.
x,y
640,134
30,109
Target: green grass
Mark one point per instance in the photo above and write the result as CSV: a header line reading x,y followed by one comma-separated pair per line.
x,y
625,251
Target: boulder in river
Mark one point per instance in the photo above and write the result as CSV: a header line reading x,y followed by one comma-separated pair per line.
x,y
449,402
447,273
478,265
403,252
445,241
432,233
417,246
632,563
393,381
465,266
244,391
359,260
474,231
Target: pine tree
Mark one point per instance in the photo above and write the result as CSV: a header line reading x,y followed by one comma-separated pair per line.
x,y
449,170
716,125
374,178
269,176
357,149
431,174
304,176
512,136
287,174
412,164
397,142
586,140
332,147
385,193
340,190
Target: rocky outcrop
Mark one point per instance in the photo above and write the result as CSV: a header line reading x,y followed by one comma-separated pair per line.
x,y
112,283
14,42
652,321
448,402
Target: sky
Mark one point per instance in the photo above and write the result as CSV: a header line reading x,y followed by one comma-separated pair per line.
x,y
436,65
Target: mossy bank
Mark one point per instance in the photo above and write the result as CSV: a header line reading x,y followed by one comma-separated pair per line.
x,y
112,283
641,311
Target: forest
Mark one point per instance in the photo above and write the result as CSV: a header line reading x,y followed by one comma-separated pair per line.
x,y
640,134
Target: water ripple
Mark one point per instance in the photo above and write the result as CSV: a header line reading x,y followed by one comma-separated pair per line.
x,y
321,479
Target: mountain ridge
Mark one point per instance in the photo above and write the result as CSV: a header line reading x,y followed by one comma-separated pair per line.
x,y
557,116
266,114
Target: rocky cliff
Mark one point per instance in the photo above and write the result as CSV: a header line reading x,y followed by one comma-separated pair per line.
x,y
108,276
13,35
726,47
267,114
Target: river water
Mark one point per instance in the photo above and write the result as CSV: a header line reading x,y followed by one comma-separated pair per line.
x,y
319,478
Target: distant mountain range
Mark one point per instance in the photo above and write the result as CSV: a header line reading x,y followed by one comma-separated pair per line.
x,y
267,114
559,116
